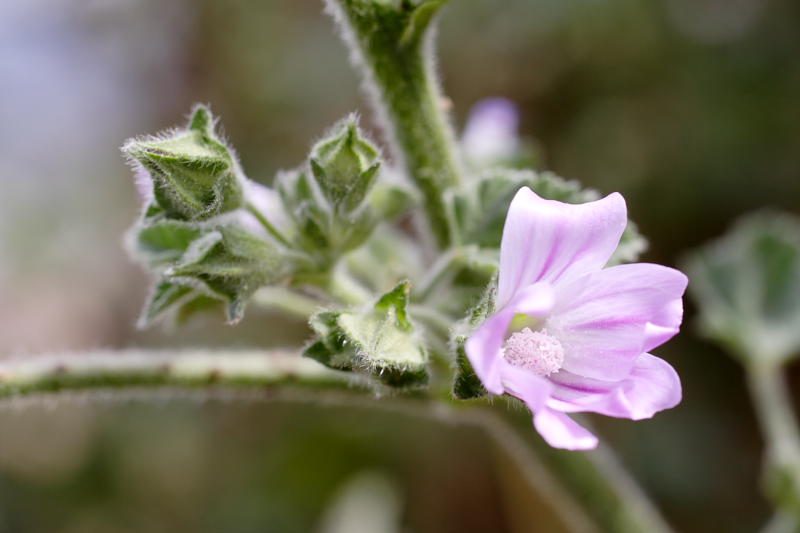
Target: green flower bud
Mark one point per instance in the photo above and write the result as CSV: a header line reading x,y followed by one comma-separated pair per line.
x,y
345,166
194,175
379,341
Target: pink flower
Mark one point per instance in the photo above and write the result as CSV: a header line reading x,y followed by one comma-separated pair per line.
x,y
571,336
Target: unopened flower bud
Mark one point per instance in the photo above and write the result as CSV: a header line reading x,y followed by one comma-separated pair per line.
x,y
194,174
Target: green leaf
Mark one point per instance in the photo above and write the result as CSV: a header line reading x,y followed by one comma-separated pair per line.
x,y
195,175
379,341
747,288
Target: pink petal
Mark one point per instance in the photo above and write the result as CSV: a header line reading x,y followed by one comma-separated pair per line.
x,y
535,300
534,390
653,386
560,431
606,319
546,240
484,345
556,428
484,349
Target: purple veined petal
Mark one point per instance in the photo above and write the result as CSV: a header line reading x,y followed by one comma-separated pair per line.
x,y
546,240
535,300
484,349
606,319
653,386
532,389
560,431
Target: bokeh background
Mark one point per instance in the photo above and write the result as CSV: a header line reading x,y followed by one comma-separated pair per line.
x,y
688,107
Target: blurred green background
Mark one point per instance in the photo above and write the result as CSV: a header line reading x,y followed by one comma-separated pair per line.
x,y
687,107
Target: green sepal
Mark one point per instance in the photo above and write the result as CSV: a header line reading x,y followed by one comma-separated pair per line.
x,y
223,264
195,175
466,384
747,288
397,300
163,297
378,341
232,263
480,210
158,241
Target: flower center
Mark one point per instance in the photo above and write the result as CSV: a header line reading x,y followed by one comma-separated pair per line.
x,y
535,351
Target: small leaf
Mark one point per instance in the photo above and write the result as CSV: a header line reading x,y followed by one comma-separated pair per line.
x,y
747,287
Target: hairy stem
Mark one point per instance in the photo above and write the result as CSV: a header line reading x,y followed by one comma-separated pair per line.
x,y
267,225
392,44
287,300
781,433
119,370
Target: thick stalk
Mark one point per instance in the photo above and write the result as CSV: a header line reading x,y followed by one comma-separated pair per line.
x,y
392,45
778,424
195,369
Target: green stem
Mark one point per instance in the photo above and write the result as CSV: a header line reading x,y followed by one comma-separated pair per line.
x,y
392,41
345,288
441,271
773,406
267,225
118,370
287,300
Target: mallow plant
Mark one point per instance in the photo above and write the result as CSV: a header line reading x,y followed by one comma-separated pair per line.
x,y
435,273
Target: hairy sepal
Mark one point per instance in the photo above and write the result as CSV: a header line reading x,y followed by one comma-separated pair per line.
x,y
378,340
